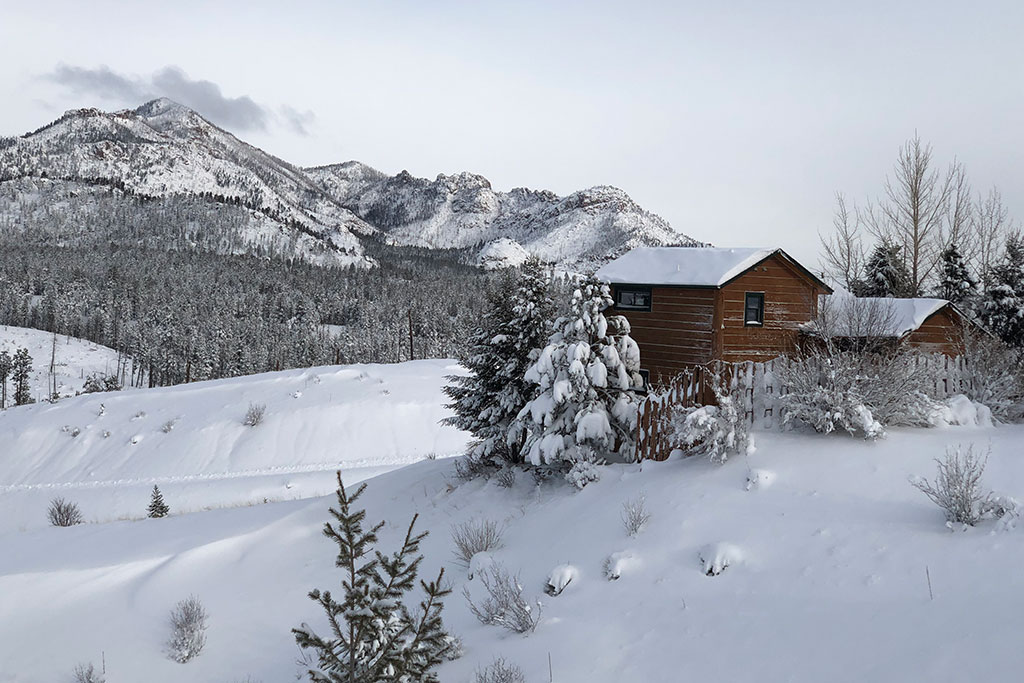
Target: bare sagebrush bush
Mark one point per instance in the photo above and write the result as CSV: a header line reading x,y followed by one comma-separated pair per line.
x,y
255,414
188,630
87,673
470,467
504,605
506,477
635,515
500,671
64,513
476,536
957,489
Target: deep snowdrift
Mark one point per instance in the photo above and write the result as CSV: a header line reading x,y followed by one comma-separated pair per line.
x,y
826,576
106,451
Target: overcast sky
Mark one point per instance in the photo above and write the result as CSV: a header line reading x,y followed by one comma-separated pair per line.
x,y
737,122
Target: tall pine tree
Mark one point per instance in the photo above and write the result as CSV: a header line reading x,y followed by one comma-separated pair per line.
x,y
586,377
1002,310
374,636
885,274
21,373
6,365
957,285
487,401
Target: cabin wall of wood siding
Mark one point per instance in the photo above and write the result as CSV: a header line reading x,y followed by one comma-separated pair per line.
x,y
940,333
676,333
790,300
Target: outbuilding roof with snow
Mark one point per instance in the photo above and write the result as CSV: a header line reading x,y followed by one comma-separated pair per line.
x,y
892,317
689,266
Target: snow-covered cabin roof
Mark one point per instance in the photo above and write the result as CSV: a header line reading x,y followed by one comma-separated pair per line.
x,y
892,317
685,266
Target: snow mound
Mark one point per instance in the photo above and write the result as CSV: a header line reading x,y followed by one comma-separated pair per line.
x,y
480,562
717,557
759,479
618,564
961,411
559,579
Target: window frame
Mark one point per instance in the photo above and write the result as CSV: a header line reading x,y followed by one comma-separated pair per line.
x,y
619,291
760,309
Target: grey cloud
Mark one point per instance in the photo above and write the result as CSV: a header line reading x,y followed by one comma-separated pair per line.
x,y
237,113
297,121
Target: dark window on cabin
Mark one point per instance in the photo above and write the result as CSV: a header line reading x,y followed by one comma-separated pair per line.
x,y
753,309
633,299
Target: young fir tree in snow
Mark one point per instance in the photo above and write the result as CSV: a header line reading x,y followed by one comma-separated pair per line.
x,y
957,285
374,636
1002,310
487,401
20,373
586,376
157,506
885,274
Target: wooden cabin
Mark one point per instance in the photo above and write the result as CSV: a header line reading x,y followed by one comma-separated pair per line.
x,y
926,325
691,305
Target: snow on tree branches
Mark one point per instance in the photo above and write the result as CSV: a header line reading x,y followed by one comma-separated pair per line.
x,y
487,401
586,376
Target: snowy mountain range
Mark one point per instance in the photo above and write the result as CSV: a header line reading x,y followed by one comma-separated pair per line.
x,y
166,152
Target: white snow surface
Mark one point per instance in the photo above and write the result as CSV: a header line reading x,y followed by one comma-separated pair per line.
x,y
74,360
190,440
693,266
833,584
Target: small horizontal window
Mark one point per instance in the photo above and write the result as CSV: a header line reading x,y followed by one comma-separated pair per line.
x,y
633,299
753,309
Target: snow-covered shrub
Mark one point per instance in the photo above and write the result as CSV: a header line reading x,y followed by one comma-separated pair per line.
x,y
993,375
64,513
617,564
373,635
168,426
87,673
476,536
715,432
499,671
759,479
584,467
505,604
560,578
635,515
99,382
470,466
716,558
254,414
586,378
506,477
957,486
188,630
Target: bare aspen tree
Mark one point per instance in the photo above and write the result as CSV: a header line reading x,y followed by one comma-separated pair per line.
x,y
843,252
990,229
914,211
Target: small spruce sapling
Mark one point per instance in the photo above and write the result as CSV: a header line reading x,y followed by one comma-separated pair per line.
x,y
157,506
374,636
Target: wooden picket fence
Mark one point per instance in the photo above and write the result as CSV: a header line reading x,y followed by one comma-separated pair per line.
x,y
758,386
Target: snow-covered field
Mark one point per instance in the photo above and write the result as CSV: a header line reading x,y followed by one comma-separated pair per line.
x,y
830,552
75,359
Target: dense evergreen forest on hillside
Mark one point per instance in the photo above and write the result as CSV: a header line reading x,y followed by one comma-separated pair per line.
x,y
191,315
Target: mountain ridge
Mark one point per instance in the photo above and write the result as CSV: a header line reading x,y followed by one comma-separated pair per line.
x,y
323,214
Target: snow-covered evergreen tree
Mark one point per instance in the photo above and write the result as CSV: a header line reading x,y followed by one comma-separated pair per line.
x,y
157,506
374,636
885,274
21,372
6,365
1002,310
487,401
957,285
586,376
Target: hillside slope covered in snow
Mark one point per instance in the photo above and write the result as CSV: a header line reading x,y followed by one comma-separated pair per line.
x,y
74,360
833,567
